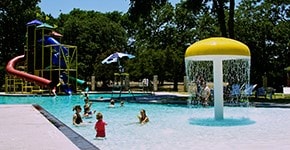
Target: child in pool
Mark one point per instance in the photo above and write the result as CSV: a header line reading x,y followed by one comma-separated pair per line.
x,y
121,103
143,117
87,107
112,104
77,119
100,126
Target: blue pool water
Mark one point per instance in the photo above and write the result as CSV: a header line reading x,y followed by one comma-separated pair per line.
x,y
173,126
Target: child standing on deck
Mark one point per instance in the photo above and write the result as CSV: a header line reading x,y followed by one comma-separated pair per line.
x,y
100,126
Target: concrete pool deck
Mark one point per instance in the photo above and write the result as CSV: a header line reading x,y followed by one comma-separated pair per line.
x,y
24,127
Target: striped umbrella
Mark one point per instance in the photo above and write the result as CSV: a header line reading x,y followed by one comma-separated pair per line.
x,y
115,57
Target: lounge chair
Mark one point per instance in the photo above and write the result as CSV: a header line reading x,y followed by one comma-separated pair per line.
x,y
261,92
248,91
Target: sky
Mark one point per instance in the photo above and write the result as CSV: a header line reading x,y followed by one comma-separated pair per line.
x,y
55,7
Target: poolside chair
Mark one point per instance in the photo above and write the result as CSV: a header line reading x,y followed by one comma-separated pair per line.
x,y
248,91
261,92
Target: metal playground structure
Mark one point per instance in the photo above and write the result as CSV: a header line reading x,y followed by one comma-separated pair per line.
x,y
46,65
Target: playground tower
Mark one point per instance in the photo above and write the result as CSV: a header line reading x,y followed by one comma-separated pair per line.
x,y
46,63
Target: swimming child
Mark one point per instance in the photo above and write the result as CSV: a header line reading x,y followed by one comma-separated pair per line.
x,y
112,104
100,126
121,103
77,119
143,117
87,107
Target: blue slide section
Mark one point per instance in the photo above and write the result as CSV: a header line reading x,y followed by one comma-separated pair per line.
x,y
55,59
64,85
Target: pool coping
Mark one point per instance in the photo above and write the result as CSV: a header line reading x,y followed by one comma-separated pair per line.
x,y
76,138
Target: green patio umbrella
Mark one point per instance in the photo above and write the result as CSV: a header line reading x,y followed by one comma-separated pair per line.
x,y
45,25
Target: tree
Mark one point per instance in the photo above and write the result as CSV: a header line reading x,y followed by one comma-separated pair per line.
x,y
96,37
14,14
264,27
231,21
142,8
218,8
148,36
165,33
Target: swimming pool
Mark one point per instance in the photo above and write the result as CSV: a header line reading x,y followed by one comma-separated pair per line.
x,y
174,126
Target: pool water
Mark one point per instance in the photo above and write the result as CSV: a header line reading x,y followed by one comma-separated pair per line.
x,y
173,126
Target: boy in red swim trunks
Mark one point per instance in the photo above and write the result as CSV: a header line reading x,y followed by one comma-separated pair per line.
x,y
100,126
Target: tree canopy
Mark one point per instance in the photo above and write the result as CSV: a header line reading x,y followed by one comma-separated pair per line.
x,y
13,28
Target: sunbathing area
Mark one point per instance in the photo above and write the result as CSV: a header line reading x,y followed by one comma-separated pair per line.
x,y
24,127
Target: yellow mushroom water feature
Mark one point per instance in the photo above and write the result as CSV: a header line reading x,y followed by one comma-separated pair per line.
x,y
216,50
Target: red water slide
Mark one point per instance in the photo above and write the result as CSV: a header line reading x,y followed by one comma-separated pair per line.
x,y
24,75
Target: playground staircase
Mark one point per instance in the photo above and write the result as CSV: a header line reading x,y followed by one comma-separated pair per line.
x,y
16,85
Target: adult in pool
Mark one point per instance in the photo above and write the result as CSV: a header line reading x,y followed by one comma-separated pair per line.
x,y
204,94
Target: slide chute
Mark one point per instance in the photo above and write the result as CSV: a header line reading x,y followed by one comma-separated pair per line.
x,y
24,75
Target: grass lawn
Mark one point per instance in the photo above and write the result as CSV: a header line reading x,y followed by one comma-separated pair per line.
x,y
276,98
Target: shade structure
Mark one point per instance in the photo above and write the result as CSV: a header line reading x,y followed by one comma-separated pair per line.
x,y
54,33
217,46
115,57
217,49
45,25
34,22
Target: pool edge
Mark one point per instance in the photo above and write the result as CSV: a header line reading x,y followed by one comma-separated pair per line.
x,y
73,136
